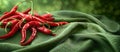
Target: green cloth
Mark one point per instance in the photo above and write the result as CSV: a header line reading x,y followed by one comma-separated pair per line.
x,y
84,33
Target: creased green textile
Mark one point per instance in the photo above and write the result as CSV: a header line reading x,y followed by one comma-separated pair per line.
x,y
84,33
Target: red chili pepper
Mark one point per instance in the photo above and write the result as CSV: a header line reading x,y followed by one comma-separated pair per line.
x,y
26,26
21,14
23,31
27,11
11,33
48,17
34,18
28,17
57,23
2,24
7,20
21,22
12,23
14,20
25,16
13,10
37,15
5,12
45,30
15,17
38,19
32,37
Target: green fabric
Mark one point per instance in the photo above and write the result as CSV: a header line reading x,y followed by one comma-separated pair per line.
x,y
84,33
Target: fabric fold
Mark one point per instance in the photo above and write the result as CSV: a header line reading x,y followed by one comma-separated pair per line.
x,y
84,33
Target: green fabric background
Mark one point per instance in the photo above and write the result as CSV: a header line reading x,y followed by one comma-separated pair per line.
x,y
84,33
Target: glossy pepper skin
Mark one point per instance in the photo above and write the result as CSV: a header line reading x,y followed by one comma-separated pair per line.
x,y
26,26
56,23
45,30
12,12
9,23
32,37
47,17
27,11
11,33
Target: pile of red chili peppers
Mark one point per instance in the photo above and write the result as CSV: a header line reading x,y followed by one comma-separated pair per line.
x,y
23,21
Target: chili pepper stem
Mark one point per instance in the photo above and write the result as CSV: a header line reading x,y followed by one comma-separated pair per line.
x,y
47,12
21,21
32,5
46,25
7,26
20,2
0,23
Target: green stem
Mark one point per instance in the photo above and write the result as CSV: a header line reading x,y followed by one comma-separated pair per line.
x,y
20,2
7,26
32,5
